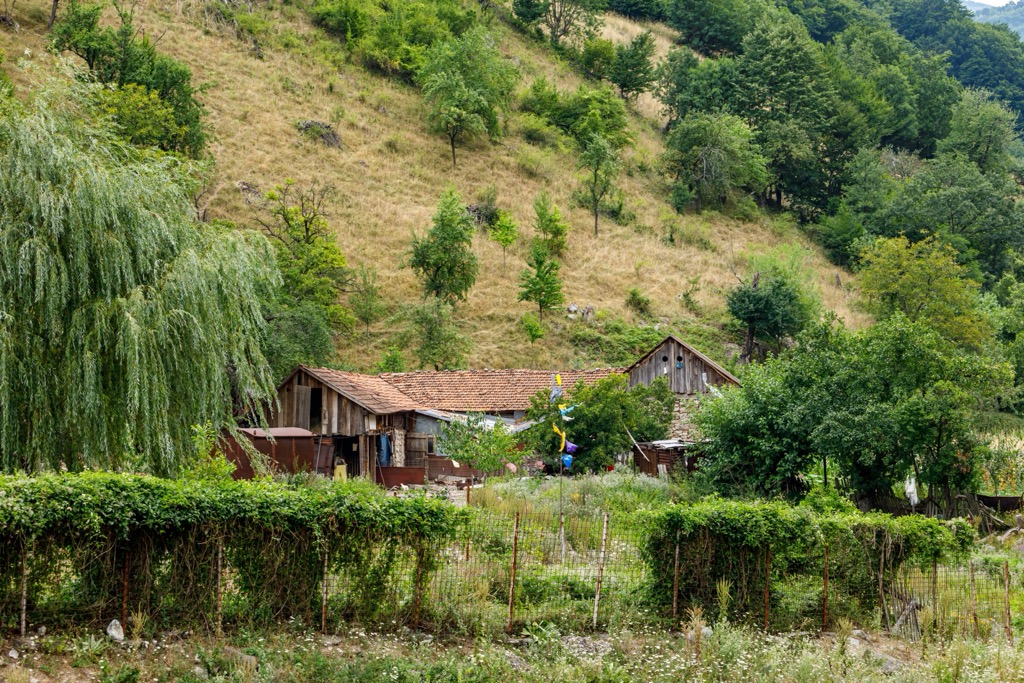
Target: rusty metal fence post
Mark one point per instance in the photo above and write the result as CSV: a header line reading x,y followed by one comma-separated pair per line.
x,y
600,567
974,598
23,616
219,587
1006,583
824,595
512,580
323,597
767,581
675,582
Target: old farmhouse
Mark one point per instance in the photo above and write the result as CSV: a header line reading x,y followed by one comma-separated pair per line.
x,y
377,425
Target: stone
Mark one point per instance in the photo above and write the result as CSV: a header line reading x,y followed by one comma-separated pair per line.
x,y
41,630
331,641
115,631
13,654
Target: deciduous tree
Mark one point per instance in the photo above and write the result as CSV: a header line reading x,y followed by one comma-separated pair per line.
x,y
600,165
444,259
539,282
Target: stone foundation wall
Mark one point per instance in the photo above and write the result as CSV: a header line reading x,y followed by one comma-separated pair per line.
x,y
682,426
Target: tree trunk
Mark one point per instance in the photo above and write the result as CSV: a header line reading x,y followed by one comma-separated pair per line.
x,y
53,14
595,219
451,138
748,347
540,313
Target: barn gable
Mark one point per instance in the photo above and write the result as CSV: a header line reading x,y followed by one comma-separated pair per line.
x,y
689,372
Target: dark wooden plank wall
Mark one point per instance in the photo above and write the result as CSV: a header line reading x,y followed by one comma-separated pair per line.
x,y
686,380
338,414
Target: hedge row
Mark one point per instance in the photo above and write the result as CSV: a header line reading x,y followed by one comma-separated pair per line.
x,y
86,537
733,541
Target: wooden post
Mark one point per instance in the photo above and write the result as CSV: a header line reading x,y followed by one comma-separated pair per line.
x,y
675,582
323,597
220,588
600,567
1006,583
974,599
824,595
512,580
767,581
23,617
124,586
468,487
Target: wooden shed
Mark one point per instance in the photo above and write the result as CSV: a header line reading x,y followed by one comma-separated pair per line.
x,y
690,375
361,419
287,450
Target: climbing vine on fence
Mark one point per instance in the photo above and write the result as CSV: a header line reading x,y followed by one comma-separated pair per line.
x,y
691,548
93,546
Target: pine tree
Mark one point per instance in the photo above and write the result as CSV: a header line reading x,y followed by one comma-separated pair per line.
x,y
539,282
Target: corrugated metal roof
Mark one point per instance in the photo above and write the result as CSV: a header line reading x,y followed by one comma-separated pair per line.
x,y
369,391
277,432
485,390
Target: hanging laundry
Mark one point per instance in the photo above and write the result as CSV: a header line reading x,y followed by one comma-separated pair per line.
x,y
383,450
556,388
567,461
561,434
570,447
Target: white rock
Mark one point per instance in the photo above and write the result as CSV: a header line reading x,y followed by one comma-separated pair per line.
x,y
41,630
13,654
115,631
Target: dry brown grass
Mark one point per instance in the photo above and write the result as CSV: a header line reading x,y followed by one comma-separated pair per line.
x,y
391,170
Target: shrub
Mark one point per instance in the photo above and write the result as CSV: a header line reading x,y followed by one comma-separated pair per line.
x,y
637,302
349,20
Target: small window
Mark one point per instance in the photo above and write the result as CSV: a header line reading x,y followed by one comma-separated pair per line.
x,y
679,358
664,359
430,445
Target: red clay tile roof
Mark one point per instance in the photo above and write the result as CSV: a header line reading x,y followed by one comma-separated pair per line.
x,y
485,390
369,391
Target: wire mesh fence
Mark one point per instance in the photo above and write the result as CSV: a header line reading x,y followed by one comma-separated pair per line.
x,y
507,571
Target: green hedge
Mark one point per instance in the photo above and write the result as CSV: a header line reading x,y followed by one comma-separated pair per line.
x,y
730,540
80,531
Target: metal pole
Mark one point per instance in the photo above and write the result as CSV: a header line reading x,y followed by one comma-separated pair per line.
x,y
600,567
323,597
512,580
124,596
767,581
561,533
24,590
824,595
1006,583
220,588
417,588
974,599
675,582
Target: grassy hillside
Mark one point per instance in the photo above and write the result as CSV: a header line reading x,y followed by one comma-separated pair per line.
x,y
390,171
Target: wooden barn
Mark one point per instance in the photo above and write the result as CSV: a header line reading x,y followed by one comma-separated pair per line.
x,y
360,420
690,375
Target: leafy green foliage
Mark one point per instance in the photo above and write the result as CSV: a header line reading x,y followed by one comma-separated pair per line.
x,y
349,20
140,115
600,166
392,360
539,282
444,259
604,416
83,518
726,540
633,69
923,282
638,302
712,155
571,19
118,56
551,228
399,34
713,26
533,327
466,81
473,444
614,341
439,343
126,321
597,57
505,232
366,301
880,403
580,114
770,305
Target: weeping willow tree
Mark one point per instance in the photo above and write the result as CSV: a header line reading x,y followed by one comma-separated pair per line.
x,y
123,320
